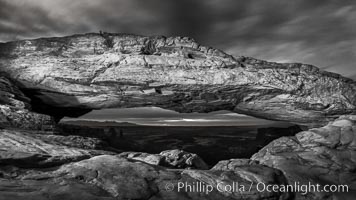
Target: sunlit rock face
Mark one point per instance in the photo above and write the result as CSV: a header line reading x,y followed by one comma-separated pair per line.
x,y
74,74
325,155
26,149
170,158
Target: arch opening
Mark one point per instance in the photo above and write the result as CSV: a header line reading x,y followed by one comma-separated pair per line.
x,y
215,136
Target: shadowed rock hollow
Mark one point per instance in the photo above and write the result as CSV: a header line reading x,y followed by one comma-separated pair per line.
x,y
15,108
72,75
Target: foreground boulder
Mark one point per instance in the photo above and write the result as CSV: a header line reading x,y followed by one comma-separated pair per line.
x,y
112,177
26,149
182,159
171,158
36,166
72,75
324,155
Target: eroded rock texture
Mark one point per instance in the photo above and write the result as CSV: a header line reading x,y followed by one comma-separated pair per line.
x,y
26,149
15,109
34,166
170,158
111,177
324,155
93,71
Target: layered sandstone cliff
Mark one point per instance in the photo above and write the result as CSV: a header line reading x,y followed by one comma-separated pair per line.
x,y
72,75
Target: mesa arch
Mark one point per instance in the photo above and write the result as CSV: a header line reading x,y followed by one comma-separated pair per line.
x,y
69,76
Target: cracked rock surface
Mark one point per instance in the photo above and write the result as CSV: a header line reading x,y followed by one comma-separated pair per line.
x,y
93,71
325,155
33,167
26,149
170,158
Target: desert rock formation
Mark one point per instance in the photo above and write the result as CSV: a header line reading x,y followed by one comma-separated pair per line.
x,y
72,75
45,79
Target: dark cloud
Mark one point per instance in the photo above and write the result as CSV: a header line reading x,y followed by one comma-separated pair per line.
x,y
319,32
24,20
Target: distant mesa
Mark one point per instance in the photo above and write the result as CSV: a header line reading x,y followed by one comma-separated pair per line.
x,y
94,123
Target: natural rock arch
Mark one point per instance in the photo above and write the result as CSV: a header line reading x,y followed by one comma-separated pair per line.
x,y
72,75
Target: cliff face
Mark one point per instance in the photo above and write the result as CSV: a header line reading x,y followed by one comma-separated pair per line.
x,y
72,75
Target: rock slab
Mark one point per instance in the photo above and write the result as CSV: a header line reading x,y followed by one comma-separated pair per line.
x,y
325,155
74,74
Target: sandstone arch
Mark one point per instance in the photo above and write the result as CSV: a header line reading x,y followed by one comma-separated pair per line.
x,y
72,75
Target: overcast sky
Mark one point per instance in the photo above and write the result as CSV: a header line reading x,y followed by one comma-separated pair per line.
x,y
319,32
